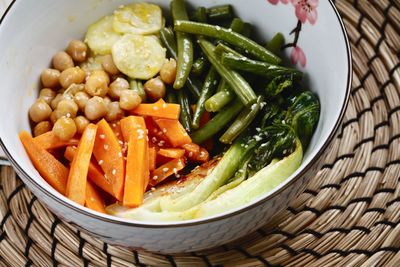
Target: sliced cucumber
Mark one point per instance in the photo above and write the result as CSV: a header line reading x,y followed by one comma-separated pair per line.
x,y
138,18
138,56
100,36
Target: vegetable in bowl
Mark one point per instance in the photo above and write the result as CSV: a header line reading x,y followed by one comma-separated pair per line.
x,y
124,130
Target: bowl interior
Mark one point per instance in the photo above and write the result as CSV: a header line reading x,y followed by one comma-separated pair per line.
x,y
33,31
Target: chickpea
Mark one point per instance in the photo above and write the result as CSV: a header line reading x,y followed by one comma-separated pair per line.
x,y
64,128
50,78
95,108
155,88
129,100
55,115
42,127
97,83
68,108
71,76
47,95
117,86
107,100
77,50
168,71
81,98
114,112
109,65
62,61
39,111
81,122
56,100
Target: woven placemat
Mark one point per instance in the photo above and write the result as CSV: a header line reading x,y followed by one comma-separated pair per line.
x,y
348,216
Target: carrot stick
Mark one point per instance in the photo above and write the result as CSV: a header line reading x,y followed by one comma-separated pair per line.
x,y
94,200
77,178
95,174
159,109
152,158
192,150
53,171
137,165
174,131
116,127
108,154
50,141
173,153
166,170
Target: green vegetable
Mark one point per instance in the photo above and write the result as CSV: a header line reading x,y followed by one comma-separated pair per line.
x,y
228,36
171,97
241,123
223,96
168,39
185,116
243,63
200,15
209,86
185,45
225,169
199,66
234,79
279,83
254,187
220,12
276,43
247,27
138,87
217,123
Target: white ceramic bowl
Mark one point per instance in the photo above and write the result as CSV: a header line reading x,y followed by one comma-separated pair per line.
x,y
34,30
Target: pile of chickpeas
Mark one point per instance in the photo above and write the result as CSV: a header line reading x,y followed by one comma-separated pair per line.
x,y
74,95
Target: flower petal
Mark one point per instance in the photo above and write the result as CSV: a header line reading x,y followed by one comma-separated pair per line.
x,y
274,2
285,1
301,14
302,57
313,3
312,16
294,55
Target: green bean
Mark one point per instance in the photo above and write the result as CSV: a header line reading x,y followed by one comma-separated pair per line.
x,y
209,86
228,36
222,48
168,39
185,116
275,44
171,97
200,15
185,45
217,123
241,123
234,79
220,99
247,29
243,63
199,66
220,12
138,87
237,25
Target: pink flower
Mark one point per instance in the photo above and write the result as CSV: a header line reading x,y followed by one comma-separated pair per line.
x,y
306,9
274,2
298,56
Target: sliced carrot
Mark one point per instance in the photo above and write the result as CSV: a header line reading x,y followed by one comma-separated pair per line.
x,y
94,201
158,109
95,173
173,153
174,131
166,170
192,150
53,171
116,127
108,154
77,178
152,158
137,165
50,140
203,156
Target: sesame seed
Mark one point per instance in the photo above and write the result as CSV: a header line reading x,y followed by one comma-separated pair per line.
x,y
190,154
153,189
155,177
120,142
164,105
153,139
165,169
202,154
106,147
102,136
101,162
155,108
164,130
175,170
120,154
114,172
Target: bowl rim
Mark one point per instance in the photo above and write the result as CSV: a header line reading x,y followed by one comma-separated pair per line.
x,y
325,145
